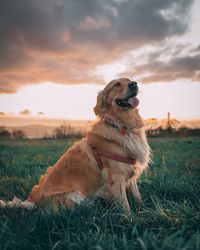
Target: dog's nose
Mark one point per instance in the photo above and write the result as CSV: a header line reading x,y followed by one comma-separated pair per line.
x,y
132,84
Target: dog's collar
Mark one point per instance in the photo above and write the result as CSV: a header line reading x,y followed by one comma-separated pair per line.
x,y
122,130
108,120
98,153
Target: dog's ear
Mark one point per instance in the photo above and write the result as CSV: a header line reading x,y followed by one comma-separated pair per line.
x,y
100,103
137,119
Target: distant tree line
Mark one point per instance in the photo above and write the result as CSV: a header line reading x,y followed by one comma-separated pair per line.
x,y
173,132
67,131
15,134
63,131
169,127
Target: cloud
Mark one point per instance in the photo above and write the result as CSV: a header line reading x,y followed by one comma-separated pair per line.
x,y
25,112
41,113
165,64
64,41
90,23
178,68
197,49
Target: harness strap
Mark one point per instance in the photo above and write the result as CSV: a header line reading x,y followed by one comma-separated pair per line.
x,y
98,153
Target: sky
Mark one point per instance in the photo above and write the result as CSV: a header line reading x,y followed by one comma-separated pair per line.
x,y
56,55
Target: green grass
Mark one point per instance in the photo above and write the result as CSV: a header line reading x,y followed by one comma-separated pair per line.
x,y
169,219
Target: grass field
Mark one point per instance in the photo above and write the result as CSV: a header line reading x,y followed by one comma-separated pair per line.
x,y
169,219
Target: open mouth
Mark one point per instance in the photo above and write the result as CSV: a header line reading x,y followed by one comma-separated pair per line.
x,y
128,102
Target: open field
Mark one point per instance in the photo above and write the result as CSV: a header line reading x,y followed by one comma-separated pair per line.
x,y
169,219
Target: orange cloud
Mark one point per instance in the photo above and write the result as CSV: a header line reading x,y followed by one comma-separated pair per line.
x,y
64,42
25,112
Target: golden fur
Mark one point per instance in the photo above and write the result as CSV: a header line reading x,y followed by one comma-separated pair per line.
x,y
77,176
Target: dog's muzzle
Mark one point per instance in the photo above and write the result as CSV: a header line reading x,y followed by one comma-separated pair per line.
x,y
129,100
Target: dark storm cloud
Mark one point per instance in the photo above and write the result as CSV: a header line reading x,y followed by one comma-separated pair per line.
x,y
186,67
64,40
166,64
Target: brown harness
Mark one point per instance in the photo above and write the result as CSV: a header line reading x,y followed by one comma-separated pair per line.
x,y
98,153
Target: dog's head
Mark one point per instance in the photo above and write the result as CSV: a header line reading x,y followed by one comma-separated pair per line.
x,y
118,100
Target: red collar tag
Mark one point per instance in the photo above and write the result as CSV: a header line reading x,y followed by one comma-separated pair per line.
x,y
122,131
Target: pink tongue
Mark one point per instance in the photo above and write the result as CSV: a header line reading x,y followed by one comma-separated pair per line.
x,y
133,101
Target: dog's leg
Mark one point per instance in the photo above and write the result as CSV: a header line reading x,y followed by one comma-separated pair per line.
x,y
63,200
118,192
135,192
124,199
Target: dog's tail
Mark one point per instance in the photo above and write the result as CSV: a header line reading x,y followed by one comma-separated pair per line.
x,y
17,203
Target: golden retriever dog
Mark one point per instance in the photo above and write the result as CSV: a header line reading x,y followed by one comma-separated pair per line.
x,y
106,163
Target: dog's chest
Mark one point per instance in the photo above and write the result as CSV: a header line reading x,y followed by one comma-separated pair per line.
x,y
137,146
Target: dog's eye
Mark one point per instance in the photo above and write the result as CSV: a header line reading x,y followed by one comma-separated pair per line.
x,y
117,85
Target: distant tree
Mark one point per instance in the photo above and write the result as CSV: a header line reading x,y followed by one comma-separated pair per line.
x,y
5,134
185,131
18,134
66,131
151,123
170,123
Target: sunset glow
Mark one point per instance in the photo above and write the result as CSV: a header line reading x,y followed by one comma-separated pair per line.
x,y
55,61
77,102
